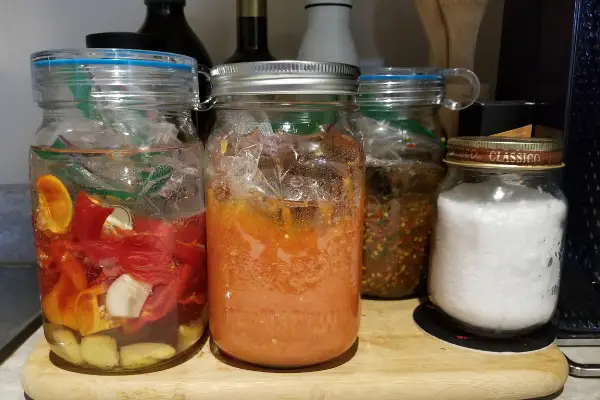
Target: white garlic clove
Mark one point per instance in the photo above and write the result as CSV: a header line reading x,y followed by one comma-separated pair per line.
x,y
64,344
126,297
140,355
188,334
100,351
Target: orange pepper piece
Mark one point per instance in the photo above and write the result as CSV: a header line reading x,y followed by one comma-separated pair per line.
x,y
55,206
90,318
58,305
69,266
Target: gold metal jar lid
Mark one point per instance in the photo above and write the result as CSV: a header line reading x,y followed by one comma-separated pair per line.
x,y
497,152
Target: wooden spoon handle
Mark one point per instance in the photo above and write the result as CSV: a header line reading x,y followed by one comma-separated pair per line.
x,y
435,29
463,19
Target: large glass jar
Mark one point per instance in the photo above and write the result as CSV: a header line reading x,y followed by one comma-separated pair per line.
x,y
497,252
284,180
118,207
403,149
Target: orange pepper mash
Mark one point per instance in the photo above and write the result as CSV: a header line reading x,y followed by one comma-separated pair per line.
x,y
284,277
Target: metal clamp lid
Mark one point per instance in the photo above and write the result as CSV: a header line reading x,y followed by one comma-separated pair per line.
x,y
284,77
414,86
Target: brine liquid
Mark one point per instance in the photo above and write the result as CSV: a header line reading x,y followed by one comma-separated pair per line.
x,y
120,241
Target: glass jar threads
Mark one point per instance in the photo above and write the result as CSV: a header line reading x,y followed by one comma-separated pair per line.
x,y
118,209
403,149
497,254
284,174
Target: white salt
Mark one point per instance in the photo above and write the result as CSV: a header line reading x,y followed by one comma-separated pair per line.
x,y
497,255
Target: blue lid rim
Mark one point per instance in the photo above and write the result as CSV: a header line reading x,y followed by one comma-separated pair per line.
x,y
108,56
111,61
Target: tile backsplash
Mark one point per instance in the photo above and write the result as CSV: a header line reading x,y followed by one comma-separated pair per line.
x,y
16,238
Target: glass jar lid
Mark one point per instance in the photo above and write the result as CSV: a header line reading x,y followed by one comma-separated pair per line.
x,y
392,87
116,76
284,77
498,152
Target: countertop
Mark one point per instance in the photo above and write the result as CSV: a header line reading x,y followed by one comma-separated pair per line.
x,y
17,226
575,389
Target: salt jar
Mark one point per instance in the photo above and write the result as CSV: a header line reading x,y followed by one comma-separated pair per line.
x,y
498,236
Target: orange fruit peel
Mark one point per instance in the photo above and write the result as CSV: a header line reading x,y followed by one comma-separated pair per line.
x,y
55,211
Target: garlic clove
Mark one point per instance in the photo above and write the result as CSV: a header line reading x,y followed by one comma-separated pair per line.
x,y
188,334
64,344
126,297
100,351
140,355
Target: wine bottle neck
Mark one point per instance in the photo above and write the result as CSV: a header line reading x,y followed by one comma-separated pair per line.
x,y
160,12
251,8
252,25
251,33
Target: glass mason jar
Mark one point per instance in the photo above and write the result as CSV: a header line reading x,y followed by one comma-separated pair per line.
x,y
403,149
497,252
284,180
118,206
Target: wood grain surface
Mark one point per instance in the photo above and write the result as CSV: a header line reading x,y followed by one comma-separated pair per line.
x,y
435,30
394,360
463,19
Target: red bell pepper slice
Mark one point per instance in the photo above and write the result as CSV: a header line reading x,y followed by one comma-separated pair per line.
x,y
145,257
89,218
190,253
191,229
190,235
157,228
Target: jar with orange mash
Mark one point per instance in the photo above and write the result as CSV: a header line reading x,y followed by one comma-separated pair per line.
x,y
285,190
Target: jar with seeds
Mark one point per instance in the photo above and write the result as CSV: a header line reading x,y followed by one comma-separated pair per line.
x,y
403,170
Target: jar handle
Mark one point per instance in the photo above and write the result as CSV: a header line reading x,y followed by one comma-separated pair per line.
x,y
473,82
210,100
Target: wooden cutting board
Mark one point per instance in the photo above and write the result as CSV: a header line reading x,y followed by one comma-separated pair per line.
x,y
394,360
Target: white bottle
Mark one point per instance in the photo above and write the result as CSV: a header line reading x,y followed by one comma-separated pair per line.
x,y
328,36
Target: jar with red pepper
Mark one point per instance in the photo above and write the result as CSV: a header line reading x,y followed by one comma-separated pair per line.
x,y
403,147
118,207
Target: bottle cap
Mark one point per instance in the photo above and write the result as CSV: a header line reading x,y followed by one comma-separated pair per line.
x,y
315,3
149,2
499,152
252,8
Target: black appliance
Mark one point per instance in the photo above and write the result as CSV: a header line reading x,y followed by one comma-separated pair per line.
x,y
550,55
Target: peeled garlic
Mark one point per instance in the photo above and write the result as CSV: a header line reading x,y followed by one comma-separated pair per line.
x,y
189,334
100,351
64,344
145,354
126,297
120,218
